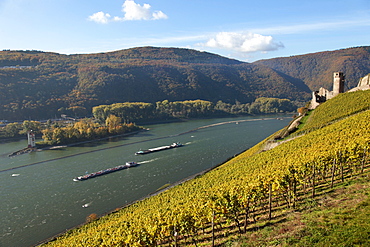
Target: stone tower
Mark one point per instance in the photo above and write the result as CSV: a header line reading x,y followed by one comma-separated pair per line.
x,y
31,139
338,85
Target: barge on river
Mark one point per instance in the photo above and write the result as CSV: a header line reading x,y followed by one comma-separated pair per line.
x,y
106,171
151,150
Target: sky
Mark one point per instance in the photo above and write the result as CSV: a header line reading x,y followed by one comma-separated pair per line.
x,y
246,30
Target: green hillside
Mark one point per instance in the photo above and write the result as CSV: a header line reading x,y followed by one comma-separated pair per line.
x,y
41,85
251,191
316,69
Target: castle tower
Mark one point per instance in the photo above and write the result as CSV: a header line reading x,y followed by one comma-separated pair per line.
x,y
338,84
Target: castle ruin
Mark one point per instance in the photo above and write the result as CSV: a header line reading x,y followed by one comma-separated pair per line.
x,y
324,94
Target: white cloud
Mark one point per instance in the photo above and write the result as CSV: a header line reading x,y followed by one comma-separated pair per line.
x,y
132,11
243,42
100,17
159,15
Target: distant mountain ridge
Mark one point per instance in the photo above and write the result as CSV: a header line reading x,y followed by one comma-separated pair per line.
x,y
36,84
51,82
171,54
316,69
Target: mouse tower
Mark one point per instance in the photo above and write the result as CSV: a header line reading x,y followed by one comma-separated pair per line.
x,y
31,139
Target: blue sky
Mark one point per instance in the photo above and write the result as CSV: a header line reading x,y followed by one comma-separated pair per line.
x,y
241,29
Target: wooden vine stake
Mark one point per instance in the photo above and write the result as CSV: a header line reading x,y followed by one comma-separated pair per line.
x,y
246,217
333,174
213,227
175,235
270,200
363,161
341,167
313,180
294,191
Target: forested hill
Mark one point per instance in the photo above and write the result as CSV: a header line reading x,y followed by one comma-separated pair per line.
x,y
316,69
168,54
39,85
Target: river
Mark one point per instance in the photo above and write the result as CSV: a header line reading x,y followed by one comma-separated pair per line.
x,y
40,199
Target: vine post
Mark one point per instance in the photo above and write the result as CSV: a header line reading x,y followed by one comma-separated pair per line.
x,y
294,191
213,227
363,160
270,200
313,180
175,235
333,173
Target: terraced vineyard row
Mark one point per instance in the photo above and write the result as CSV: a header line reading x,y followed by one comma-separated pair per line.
x,y
238,192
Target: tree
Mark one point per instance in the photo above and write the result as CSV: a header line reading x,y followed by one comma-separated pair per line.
x,y
302,110
47,135
59,136
101,112
35,126
113,122
12,129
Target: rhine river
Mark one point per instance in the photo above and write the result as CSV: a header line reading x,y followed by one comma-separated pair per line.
x,y
40,199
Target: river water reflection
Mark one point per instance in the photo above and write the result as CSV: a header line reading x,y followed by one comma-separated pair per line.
x,y
43,199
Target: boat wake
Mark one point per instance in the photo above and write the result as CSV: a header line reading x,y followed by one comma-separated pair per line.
x,y
86,205
151,150
148,161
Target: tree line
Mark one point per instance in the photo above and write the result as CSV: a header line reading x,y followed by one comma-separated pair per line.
x,y
86,129
140,111
118,118
20,129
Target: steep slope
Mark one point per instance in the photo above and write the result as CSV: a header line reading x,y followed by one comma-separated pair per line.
x,y
152,81
37,84
316,69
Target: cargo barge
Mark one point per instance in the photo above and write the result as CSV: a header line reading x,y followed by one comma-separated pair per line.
x,y
151,150
106,171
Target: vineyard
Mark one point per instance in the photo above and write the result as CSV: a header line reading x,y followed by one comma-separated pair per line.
x,y
246,190
337,108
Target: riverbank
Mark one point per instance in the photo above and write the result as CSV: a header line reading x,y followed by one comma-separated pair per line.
x,y
22,151
177,120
